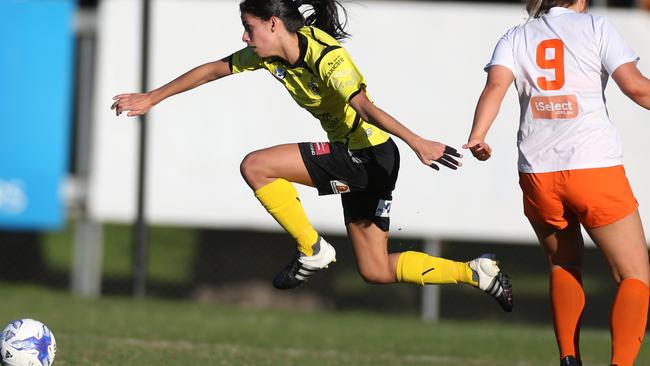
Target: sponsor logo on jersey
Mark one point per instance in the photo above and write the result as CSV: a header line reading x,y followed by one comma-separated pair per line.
x,y
319,148
383,208
280,73
339,187
555,107
333,65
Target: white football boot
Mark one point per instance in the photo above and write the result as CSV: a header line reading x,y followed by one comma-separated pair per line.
x,y
492,280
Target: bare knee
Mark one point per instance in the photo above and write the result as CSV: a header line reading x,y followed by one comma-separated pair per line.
x,y
377,277
639,271
251,168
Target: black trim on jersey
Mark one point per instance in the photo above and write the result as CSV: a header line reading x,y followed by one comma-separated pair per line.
x,y
303,44
355,125
229,60
361,87
313,35
357,118
327,50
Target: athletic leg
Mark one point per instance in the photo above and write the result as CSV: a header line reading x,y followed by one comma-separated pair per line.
x,y
624,247
564,250
261,167
370,244
377,266
269,172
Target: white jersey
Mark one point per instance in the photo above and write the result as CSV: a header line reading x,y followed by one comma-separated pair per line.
x,y
561,63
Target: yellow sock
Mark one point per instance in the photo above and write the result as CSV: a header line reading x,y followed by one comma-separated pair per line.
x,y
423,269
280,199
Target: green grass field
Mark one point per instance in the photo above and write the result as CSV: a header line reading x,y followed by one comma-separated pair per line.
x,y
170,254
121,331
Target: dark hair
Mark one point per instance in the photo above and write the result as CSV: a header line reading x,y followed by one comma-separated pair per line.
x,y
537,8
324,14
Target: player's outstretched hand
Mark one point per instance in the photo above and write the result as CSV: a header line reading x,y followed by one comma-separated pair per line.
x,y
447,160
433,153
136,104
479,149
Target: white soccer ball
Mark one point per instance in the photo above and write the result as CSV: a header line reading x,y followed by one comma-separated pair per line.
x,y
27,342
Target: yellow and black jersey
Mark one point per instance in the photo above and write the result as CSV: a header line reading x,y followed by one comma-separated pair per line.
x,y
322,81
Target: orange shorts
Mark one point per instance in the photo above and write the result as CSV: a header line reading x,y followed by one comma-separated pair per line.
x,y
596,197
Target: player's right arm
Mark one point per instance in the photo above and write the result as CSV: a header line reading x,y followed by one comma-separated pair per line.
x,y
633,83
137,104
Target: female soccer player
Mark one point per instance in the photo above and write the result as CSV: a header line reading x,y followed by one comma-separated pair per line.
x,y
570,160
360,162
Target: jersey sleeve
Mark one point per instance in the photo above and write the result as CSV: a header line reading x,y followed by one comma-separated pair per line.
x,y
341,74
614,51
244,60
503,53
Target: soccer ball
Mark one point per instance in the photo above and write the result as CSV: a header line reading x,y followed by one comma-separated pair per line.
x,y
27,342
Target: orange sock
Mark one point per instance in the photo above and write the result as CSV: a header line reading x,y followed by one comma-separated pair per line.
x,y
628,321
567,303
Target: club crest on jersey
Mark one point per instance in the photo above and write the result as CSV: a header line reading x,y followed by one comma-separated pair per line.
x,y
383,208
339,187
280,73
313,87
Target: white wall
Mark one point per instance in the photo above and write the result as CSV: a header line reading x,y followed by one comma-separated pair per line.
x,y
423,63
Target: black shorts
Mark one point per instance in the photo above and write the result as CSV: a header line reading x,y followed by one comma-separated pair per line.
x,y
365,178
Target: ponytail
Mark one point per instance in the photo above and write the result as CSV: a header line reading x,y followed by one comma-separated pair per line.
x,y
537,8
324,14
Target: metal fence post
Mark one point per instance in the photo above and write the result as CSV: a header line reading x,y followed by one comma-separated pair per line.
x,y
431,294
86,272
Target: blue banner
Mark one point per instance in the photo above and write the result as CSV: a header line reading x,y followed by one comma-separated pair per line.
x,y
36,64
